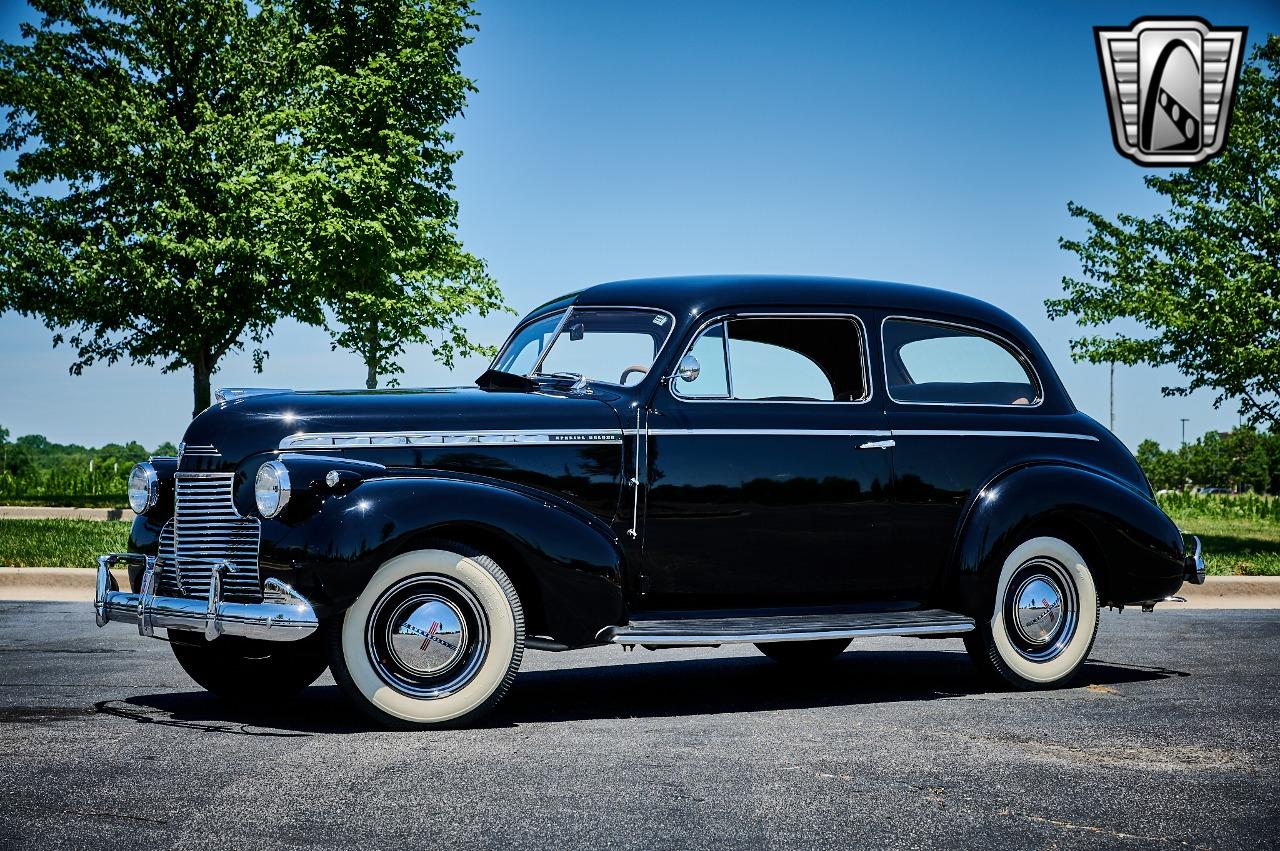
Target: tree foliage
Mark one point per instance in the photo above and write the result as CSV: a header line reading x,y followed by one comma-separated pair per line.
x,y
138,218
1203,277
191,171
1242,459
377,219
33,467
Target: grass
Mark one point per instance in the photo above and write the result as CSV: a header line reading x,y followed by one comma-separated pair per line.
x,y
60,543
1241,536
1236,547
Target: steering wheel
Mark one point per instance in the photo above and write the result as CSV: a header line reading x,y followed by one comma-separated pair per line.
x,y
642,370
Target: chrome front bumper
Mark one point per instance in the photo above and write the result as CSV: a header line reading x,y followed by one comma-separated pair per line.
x,y
284,614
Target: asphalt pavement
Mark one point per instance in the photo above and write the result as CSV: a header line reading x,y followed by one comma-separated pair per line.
x,y
1167,740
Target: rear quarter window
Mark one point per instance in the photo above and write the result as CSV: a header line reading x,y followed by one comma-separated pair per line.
x,y
938,363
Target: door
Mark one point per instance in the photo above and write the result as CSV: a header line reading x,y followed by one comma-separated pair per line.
x,y
768,469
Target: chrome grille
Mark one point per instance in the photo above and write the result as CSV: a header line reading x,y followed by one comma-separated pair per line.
x,y
206,531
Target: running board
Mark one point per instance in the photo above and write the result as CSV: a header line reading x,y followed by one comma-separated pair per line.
x,y
760,629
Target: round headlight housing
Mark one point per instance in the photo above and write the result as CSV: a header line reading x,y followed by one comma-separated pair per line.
x,y
271,488
144,487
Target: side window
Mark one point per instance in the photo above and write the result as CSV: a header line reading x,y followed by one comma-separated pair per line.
x,y
926,362
782,359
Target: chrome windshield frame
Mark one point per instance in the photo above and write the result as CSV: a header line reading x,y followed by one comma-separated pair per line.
x,y
568,311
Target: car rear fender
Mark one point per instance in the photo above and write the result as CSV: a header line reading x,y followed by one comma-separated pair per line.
x,y
1134,550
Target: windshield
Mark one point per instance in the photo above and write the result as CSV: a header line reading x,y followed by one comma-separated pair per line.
x,y
612,346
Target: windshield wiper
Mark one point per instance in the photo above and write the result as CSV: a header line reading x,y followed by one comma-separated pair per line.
x,y
496,379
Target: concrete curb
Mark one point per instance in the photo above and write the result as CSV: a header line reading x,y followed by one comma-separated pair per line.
x,y
51,512
73,583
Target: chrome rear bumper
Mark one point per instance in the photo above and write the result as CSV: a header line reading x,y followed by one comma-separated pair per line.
x,y
284,614
1194,572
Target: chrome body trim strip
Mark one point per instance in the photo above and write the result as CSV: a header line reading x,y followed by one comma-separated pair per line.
x,y
363,440
766,432
956,628
1008,344
288,617
930,432
231,394
513,437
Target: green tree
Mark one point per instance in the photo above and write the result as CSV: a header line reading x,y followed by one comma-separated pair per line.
x,y
378,224
140,221
1159,466
1203,277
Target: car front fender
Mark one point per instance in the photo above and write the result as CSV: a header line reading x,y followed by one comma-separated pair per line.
x,y
566,564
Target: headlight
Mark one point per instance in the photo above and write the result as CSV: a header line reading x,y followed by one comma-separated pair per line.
x,y
144,487
271,488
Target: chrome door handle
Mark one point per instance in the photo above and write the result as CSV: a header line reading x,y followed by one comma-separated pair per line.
x,y
878,444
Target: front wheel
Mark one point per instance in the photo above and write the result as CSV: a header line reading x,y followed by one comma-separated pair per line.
x,y
244,670
1044,617
435,639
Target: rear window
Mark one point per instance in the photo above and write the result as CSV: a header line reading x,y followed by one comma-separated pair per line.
x,y
933,363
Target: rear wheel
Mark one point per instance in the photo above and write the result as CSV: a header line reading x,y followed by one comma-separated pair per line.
x,y
802,653
435,639
245,670
1044,617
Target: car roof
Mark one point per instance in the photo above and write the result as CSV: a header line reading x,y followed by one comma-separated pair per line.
x,y
689,296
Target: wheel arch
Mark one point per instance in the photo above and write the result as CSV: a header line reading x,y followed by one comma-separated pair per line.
x,y
1133,549
566,565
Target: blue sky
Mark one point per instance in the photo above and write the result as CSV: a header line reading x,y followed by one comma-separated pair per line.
x,y
911,142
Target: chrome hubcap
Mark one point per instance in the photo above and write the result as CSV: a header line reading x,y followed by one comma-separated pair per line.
x,y
1037,610
1041,609
427,636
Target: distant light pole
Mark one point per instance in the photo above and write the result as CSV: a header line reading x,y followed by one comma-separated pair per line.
x,y
1113,397
1185,420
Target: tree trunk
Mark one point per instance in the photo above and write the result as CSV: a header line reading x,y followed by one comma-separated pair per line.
x,y
371,358
200,375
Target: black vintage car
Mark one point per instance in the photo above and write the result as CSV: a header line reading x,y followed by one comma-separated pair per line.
x,y
788,462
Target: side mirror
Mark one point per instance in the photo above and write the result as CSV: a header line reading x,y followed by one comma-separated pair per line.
x,y
577,332
689,368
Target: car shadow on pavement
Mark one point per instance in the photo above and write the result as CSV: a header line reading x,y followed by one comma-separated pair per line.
x,y
755,684
660,688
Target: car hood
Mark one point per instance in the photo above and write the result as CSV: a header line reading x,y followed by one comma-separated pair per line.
x,y
241,427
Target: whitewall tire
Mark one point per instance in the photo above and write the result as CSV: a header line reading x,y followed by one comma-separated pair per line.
x,y
1044,616
435,639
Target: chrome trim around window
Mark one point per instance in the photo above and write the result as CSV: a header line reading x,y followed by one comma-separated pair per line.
x,y
551,341
1003,341
671,327
868,383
